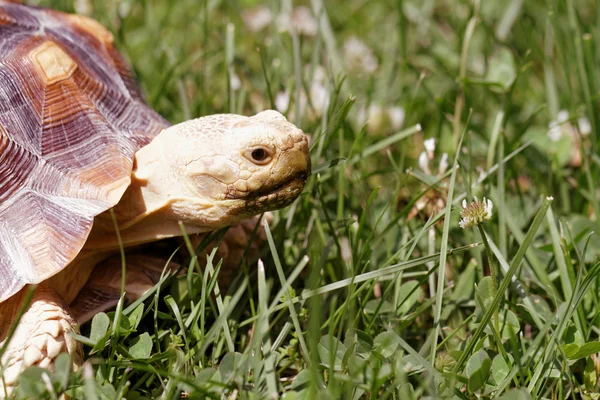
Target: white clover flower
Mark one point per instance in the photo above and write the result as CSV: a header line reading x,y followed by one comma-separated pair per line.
x,y
123,10
235,82
443,164
378,118
430,147
345,249
318,92
284,21
585,127
375,117
562,116
396,116
475,213
83,7
359,57
299,19
319,97
303,20
557,128
257,19
554,131
282,101
424,163
320,74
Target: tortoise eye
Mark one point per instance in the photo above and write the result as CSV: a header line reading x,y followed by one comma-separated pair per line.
x,y
260,156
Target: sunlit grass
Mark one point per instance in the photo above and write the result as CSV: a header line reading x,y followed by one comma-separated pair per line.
x,y
352,302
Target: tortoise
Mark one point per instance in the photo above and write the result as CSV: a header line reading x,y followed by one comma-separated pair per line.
x,y
81,152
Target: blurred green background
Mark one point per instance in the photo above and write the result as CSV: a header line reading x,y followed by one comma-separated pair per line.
x,y
372,82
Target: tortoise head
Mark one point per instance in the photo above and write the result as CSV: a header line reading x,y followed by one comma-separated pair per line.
x,y
222,168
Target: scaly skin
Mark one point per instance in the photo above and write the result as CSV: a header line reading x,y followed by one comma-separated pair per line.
x,y
236,243
103,288
42,334
204,174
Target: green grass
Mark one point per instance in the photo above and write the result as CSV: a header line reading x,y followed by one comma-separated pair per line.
x,y
352,302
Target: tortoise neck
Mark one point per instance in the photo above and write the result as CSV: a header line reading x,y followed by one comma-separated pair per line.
x,y
143,212
164,192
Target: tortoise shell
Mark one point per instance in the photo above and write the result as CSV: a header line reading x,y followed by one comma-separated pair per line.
x,y
71,119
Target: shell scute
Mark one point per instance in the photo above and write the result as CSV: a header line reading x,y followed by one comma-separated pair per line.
x,y
5,18
71,119
53,64
92,27
21,105
16,165
15,14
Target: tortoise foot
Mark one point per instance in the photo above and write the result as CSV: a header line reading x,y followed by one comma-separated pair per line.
x,y
42,334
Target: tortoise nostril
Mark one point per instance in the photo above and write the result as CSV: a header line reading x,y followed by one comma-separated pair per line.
x,y
303,176
299,137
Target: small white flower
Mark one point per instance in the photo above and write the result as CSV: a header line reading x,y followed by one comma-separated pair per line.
x,y
359,57
345,249
375,118
396,116
320,74
475,213
303,20
299,19
424,163
83,7
235,82
554,131
284,21
319,92
257,19
282,101
559,127
562,117
429,147
585,127
443,164
124,9
319,97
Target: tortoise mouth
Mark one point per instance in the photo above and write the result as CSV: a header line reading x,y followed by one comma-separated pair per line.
x,y
276,196
289,187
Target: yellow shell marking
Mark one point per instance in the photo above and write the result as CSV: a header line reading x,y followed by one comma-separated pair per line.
x,y
93,27
53,64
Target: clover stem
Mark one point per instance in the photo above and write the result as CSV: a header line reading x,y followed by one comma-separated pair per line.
x,y
493,272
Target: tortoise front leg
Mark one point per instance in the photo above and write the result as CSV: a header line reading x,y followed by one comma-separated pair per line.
x,y
103,289
42,334
241,243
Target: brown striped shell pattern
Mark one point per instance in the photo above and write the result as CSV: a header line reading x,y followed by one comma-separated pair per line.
x,y
71,119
